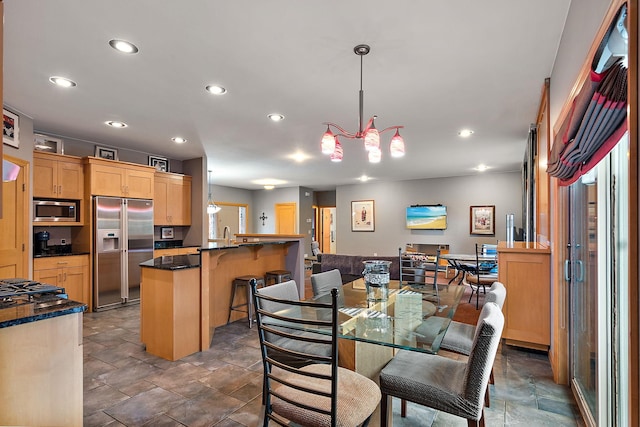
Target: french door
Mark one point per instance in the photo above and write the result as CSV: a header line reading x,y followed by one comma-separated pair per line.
x,y
597,279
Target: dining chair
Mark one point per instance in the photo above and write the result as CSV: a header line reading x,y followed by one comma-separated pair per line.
x,y
419,270
479,275
319,393
453,386
322,283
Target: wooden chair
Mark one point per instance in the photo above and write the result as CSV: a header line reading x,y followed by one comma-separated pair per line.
x,y
444,384
319,393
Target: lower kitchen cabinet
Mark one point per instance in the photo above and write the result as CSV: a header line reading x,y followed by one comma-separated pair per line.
x,y
70,272
41,372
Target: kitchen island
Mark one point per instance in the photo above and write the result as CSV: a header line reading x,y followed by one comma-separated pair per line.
x,y
170,303
40,356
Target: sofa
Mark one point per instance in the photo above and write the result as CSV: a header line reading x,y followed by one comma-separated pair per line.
x,y
351,266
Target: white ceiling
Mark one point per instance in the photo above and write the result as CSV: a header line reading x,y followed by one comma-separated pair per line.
x,y
434,67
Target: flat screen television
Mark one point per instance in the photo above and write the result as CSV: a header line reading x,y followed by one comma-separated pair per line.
x,y
427,217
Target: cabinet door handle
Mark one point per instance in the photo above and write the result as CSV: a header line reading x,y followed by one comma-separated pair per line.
x,y
63,262
60,277
65,277
54,189
580,277
567,277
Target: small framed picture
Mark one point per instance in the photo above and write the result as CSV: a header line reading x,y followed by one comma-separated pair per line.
x,y
362,215
106,153
10,129
482,220
160,163
166,232
48,144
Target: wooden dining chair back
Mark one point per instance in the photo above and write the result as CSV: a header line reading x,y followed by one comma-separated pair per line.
x,y
319,393
322,283
453,386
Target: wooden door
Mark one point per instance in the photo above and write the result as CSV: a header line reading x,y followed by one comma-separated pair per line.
x,y
285,218
107,181
74,279
326,231
13,224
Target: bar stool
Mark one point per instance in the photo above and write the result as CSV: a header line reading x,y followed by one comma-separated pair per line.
x,y
244,281
277,276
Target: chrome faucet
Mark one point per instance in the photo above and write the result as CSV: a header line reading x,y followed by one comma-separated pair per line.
x,y
226,235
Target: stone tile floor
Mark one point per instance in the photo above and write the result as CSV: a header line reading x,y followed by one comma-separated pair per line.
x,y
125,386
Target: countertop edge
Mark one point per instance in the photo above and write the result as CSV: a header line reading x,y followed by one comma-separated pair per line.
x,y
73,307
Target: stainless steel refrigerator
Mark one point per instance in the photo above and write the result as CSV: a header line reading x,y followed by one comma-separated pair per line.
x,y
123,237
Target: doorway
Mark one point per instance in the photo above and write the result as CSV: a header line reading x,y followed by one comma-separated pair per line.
x,y
286,218
14,224
598,302
325,229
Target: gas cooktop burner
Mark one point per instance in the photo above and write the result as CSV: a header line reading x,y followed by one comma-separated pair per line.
x,y
16,287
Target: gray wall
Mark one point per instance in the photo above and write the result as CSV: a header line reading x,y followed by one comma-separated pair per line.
x,y
264,201
457,194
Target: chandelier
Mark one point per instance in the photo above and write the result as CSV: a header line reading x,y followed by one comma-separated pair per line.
x,y
371,136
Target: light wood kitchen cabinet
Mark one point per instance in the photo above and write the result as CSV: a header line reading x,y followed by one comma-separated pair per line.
x,y
57,176
524,270
120,179
172,199
70,272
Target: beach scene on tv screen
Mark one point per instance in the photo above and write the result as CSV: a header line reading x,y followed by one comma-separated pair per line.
x,y
427,217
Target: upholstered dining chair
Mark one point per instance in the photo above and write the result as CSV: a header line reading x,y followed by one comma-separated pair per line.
x,y
459,336
479,275
322,283
319,393
445,384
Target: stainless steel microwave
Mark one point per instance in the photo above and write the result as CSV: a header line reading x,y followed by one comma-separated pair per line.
x,y
55,211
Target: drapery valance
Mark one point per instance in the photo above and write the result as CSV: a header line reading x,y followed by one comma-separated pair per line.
x,y
597,119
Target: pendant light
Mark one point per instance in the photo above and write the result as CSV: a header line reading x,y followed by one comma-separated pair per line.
x,y
211,205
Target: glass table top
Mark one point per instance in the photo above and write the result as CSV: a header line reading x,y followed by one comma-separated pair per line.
x,y
412,318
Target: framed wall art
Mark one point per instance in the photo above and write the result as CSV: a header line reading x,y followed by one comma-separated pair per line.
x,y
160,163
48,144
166,233
10,129
106,153
482,220
362,215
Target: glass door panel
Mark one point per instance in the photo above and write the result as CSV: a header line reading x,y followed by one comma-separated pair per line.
x,y
583,289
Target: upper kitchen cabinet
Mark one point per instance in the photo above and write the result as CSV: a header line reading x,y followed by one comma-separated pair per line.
x,y
119,179
57,176
172,199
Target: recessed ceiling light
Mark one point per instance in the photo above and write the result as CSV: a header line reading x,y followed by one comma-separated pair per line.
x,y
62,81
216,90
364,178
481,168
115,124
123,46
299,157
276,117
465,133
178,140
269,187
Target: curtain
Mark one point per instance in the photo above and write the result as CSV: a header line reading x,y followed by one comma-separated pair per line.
x,y
597,119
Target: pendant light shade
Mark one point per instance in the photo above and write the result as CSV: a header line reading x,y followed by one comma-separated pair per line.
x,y
328,142
397,145
369,134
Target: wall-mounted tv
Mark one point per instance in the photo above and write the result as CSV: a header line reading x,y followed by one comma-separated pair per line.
x,y
427,217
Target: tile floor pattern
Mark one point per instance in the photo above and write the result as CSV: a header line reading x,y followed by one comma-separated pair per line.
x,y
125,386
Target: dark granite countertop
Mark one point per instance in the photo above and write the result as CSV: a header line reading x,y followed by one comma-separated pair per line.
x,y
173,262
59,307
53,255
219,246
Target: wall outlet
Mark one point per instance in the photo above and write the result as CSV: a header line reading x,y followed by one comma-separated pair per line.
x,y
63,241
375,254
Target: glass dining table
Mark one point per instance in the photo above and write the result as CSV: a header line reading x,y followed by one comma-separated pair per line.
x,y
410,319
